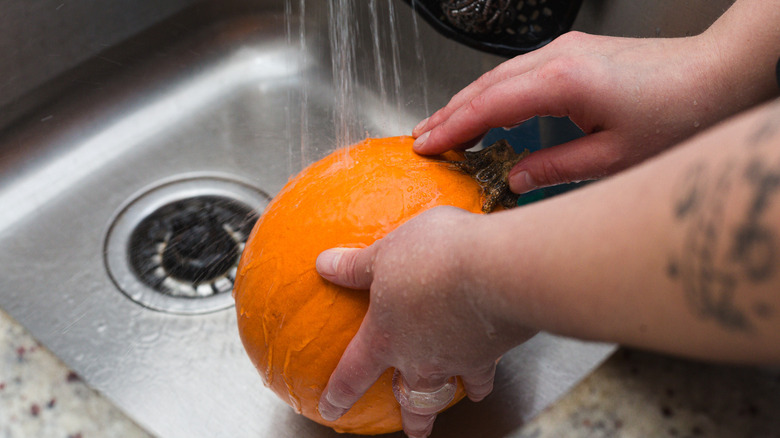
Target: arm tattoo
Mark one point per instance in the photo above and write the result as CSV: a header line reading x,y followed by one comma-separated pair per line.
x,y
754,244
719,255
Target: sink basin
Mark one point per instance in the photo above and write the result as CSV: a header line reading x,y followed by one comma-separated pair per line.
x,y
212,108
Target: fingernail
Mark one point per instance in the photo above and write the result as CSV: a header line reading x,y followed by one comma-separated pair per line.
x,y
420,125
328,411
328,261
420,142
522,182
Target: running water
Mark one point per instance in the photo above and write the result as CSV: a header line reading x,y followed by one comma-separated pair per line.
x,y
418,54
288,14
342,32
304,115
296,109
367,91
375,32
396,55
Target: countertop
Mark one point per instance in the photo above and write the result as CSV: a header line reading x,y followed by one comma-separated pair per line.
x,y
632,394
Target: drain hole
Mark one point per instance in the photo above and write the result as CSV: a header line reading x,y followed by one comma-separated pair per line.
x,y
190,247
175,247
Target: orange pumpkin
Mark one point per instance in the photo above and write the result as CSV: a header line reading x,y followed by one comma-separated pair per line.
x,y
296,325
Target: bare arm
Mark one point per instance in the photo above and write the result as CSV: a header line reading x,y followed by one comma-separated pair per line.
x,y
680,255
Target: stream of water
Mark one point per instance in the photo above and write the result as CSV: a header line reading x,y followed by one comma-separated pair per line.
x,y
367,95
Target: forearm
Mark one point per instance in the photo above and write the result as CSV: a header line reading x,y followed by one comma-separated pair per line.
x,y
680,254
745,50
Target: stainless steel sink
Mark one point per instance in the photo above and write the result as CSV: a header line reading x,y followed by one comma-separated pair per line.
x,y
222,100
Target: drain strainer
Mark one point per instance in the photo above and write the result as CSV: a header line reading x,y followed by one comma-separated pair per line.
x,y
175,247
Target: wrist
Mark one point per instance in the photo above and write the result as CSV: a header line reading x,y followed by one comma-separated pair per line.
x,y
495,260
742,51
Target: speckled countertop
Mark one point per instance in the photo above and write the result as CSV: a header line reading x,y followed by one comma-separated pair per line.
x,y
41,397
639,394
633,394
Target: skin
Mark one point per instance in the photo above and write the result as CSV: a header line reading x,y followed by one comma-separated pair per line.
x,y
635,97
680,253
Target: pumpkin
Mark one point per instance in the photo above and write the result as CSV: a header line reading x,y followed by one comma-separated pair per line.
x,y
294,324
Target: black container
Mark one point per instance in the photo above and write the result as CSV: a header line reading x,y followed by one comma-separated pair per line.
x,y
503,27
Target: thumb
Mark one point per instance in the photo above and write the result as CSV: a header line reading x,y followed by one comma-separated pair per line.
x,y
348,267
590,157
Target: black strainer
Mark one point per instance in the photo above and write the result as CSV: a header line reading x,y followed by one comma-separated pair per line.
x,y
503,27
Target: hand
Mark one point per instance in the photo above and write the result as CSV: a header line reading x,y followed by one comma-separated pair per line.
x,y
635,97
426,317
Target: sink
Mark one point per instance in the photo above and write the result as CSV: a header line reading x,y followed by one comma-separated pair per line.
x,y
212,109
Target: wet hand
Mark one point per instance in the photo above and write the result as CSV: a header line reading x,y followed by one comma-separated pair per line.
x,y
634,97
427,318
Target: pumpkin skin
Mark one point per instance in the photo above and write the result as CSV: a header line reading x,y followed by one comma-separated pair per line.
x,y
294,324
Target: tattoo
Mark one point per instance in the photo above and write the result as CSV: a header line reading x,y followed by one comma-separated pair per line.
x,y
754,244
717,256
709,288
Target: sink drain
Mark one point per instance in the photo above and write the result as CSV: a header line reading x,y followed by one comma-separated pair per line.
x,y
175,247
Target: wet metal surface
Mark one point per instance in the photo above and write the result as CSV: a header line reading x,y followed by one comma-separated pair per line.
x,y
217,94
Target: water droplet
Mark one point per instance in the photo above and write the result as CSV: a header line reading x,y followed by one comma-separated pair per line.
x,y
696,124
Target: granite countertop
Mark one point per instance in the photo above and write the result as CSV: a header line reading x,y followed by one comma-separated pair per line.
x,y
633,394
41,397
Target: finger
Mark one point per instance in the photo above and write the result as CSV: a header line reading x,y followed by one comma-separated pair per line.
x,y
422,400
355,373
503,71
479,384
591,157
507,103
417,425
348,267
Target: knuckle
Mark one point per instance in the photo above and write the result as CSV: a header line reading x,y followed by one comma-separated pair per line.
x,y
550,173
562,72
572,37
477,105
488,78
348,268
478,109
570,42
439,116
572,74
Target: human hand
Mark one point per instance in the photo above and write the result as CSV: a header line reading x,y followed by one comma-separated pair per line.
x,y
634,97
427,317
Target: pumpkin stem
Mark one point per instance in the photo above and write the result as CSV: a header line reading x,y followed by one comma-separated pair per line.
x,y
490,168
